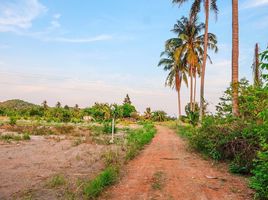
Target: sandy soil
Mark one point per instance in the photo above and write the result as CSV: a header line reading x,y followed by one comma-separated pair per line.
x,y
166,170
26,164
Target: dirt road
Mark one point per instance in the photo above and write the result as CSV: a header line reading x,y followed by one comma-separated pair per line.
x,y
167,170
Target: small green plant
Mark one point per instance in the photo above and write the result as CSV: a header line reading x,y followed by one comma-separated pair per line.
x,y
111,158
12,120
93,188
158,180
26,136
77,141
57,181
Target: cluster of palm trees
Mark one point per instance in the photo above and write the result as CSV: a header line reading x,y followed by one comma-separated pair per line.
x,y
185,56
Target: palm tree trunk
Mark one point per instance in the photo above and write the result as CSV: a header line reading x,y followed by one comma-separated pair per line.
x,y
203,70
235,56
256,67
194,91
178,88
179,103
191,89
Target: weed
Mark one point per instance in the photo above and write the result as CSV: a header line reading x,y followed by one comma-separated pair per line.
x,y
158,180
111,158
57,181
108,177
26,136
77,142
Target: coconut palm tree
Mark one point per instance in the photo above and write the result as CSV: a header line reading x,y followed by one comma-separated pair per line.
x,y
177,71
235,56
192,46
208,5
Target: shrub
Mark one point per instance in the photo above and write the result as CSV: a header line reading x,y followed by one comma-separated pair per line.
x,y
12,120
26,136
259,181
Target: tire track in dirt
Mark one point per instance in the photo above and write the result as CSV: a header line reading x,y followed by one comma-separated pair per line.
x,y
166,170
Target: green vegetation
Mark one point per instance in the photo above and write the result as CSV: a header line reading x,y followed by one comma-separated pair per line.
x,y
93,188
56,181
242,141
15,137
158,180
136,139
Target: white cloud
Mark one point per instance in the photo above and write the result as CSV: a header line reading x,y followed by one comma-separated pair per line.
x,y
19,14
81,40
55,21
254,3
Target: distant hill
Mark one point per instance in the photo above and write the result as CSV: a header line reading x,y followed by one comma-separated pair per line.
x,y
16,104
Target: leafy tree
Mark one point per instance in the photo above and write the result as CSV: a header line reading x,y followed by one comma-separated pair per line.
x,y
44,104
148,113
127,100
264,65
128,109
58,105
159,116
66,107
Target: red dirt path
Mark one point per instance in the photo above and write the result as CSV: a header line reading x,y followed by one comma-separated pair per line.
x,y
184,175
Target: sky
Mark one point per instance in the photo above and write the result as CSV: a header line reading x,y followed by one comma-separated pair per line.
x,y
86,51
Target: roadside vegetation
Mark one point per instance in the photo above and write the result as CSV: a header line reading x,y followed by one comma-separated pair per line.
x,y
238,131
241,141
136,140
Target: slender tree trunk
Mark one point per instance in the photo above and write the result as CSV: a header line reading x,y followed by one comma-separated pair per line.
x,y
235,56
203,69
179,103
191,88
194,91
256,67
178,88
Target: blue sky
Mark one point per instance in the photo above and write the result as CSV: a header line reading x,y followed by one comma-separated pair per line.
x,y
82,51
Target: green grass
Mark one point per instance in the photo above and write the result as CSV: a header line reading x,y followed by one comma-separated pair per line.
x,y
108,177
57,181
138,138
158,180
12,137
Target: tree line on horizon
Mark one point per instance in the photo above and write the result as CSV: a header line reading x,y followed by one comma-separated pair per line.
x,y
99,112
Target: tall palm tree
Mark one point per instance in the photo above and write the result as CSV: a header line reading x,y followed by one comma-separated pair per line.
x,y
256,70
235,56
208,5
192,46
177,71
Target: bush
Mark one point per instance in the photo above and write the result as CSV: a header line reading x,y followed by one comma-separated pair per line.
x,y
12,120
259,181
26,136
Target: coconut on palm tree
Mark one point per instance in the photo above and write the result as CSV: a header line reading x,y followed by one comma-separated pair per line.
x,y
208,5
